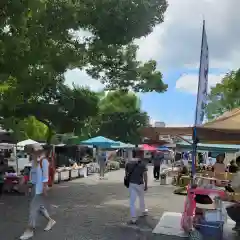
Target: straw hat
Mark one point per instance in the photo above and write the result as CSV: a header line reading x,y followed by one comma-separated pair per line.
x,y
34,148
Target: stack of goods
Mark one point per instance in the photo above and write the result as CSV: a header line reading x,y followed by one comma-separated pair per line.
x,y
235,197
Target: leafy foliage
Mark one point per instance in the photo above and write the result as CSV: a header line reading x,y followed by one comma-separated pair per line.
x,y
123,126
122,70
225,96
40,40
28,128
120,118
61,115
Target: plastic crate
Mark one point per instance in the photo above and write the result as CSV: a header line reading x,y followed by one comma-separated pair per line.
x,y
211,229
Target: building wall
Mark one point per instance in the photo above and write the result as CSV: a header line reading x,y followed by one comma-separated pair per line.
x,y
159,124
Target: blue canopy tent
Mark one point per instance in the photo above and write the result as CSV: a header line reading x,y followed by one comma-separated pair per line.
x,y
123,145
100,142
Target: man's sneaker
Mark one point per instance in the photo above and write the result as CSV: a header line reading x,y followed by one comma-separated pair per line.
x,y
50,225
26,235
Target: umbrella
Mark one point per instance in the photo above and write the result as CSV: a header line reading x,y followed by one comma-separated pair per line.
x,y
147,147
100,142
163,148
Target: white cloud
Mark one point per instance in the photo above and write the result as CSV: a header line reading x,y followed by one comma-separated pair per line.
x,y
81,78
189,82
176,42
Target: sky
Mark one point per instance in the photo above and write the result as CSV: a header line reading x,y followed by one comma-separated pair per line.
x,y
175,45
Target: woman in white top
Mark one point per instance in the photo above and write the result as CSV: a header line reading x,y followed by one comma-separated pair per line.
x,y
39,179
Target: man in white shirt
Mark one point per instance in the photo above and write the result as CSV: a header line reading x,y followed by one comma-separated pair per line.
x,y
39,179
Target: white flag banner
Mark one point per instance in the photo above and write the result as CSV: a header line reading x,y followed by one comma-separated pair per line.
x,y
203,80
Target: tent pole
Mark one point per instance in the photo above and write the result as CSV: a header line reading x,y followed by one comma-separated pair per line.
x,y
194,152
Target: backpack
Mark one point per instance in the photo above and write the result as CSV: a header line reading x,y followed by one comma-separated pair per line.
x,y
40,162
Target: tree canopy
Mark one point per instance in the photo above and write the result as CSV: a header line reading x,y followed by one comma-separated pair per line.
x,y
225,96
41,39
28,128
119,118
66,111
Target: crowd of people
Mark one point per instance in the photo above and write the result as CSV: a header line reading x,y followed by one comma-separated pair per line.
x,y
136,172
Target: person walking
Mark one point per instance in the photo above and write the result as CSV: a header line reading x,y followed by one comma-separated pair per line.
x,y
157,160
102,159
138,183
39,179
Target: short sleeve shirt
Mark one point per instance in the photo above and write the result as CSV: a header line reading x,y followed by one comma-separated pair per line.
x,y
137,169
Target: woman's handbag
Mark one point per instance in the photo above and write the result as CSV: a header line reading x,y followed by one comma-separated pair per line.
x,y
128,176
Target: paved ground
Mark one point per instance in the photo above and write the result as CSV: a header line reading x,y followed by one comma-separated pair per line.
x,y
90,209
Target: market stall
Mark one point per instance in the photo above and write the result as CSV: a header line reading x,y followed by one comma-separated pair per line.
x,y
206,219
12,180
101,144
69,162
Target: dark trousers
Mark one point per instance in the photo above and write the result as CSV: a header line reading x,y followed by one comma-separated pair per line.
x,y
156,172
234,213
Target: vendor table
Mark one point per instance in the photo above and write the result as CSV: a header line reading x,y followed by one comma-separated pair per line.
x,y
74,173
69,174
65,175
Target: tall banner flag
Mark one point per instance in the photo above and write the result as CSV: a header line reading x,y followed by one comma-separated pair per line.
x,y
201,95
203,80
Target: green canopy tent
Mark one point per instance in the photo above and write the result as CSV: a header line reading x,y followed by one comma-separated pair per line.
x,y
224,148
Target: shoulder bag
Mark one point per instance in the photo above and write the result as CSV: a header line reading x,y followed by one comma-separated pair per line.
x,y
128,176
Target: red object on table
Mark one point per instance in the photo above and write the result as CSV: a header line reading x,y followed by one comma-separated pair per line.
x,y
190,204
11,179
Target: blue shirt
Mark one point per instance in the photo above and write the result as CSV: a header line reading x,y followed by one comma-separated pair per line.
x,y
39,175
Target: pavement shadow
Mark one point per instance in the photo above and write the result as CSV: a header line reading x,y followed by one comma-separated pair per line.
x,y
84,209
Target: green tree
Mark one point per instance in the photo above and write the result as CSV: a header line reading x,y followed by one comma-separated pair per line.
x,y
39,41
120,117
62,110
28,128
225,96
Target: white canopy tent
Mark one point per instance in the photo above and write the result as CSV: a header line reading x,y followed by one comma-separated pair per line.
x,y
22,144
26,142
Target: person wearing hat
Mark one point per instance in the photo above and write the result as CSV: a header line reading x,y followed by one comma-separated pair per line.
x,y
39,180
